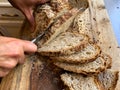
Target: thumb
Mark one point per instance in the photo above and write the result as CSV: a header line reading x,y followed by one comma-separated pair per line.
x,y
29,15
29,46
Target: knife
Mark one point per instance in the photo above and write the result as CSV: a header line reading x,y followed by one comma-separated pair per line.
x,y
39,37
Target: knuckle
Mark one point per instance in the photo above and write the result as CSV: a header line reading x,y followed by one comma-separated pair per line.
x,y
3,73
11,64
17,48
21,61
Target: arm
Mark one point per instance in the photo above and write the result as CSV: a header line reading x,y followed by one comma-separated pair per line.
x,y
26,6
12,53
11,49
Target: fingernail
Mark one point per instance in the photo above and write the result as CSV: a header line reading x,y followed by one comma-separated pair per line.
x,y
34,46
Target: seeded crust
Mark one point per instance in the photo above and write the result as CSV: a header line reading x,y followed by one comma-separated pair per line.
x,y
107,59
81,82
61,25
65,44
94,67
62,11
87,54
108,79
46,13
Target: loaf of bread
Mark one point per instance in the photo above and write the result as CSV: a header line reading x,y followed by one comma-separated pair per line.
x,y
95,67
62,12
69,43
61,25
80,82
65,44
87,54
46,13
108,79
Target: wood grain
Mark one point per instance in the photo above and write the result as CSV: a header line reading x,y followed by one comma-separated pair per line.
x,y
106,39
18,78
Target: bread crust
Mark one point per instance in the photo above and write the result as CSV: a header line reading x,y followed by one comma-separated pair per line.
x,y
71,75
107,59
113,83
66,58
74,68
46,13
61,25
99,84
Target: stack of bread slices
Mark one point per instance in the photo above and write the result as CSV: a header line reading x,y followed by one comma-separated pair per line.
x,y
85,64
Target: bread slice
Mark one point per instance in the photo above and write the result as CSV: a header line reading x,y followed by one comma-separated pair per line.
x,y
80,82
88,54
62,11
94,67
65,44
108,79
107,59
45,14
61,24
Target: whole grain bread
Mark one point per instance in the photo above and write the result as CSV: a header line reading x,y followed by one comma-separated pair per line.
x,y
61,25
108,79
65,44
62,11
94,67
82,24
87,54
46,13
80,82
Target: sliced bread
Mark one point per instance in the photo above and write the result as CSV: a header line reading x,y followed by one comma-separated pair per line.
x,y
87,54
108,79
60,11
65,44
94,67
46,13
80,82
61,24
82,24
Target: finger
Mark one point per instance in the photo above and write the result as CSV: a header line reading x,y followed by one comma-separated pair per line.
x,y
4,72
28,12
29,46
8,63
21,60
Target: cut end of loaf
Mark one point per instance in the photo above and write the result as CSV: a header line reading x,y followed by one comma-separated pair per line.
x,y
80,82
108,79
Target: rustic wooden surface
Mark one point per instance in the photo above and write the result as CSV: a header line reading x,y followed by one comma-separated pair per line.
x,y
18,78
103,32
98,22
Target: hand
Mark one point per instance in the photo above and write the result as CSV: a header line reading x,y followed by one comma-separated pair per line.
x,y
12,53
26,6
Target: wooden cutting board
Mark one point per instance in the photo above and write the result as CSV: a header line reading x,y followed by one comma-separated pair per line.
x,y
103,33
99,24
